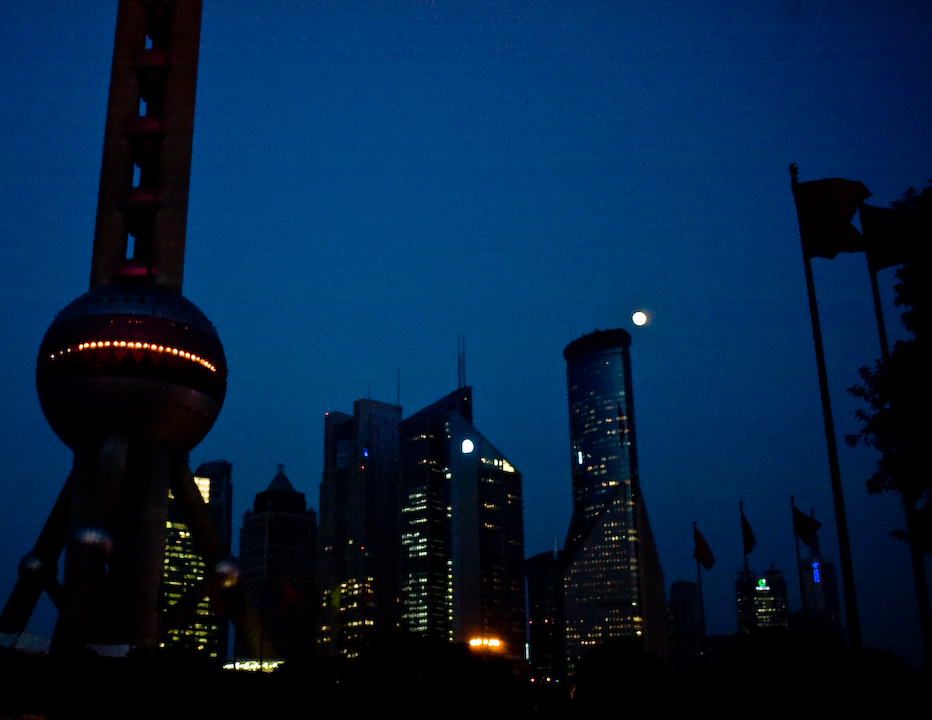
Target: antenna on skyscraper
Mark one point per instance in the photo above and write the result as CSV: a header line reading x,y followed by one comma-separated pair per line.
x,y
398,387
461,360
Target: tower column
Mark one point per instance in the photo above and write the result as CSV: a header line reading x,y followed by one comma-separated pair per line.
x,y
142,202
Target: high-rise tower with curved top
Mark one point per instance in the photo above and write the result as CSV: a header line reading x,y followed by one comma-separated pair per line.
x,y
612,580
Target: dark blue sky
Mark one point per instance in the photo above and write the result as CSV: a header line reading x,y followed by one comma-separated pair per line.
x,y
373,179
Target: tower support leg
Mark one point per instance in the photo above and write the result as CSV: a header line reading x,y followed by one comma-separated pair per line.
x,y
95,485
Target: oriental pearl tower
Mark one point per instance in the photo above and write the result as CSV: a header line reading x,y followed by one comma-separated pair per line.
x,y
131,375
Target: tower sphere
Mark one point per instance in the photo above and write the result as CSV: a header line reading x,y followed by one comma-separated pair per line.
x,y
131,357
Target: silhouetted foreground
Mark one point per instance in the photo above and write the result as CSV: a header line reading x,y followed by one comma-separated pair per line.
x,y
768,674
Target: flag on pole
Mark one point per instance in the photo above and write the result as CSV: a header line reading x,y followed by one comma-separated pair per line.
x,y
746,534
891,235
804,526
825,209
702,553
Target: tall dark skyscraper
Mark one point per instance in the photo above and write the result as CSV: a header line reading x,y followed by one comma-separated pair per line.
x,y
277,556
461,566
612,581
819,591
357,566
131,375
205,631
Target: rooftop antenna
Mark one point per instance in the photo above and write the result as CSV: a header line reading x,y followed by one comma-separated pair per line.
x,y
398,387
461,360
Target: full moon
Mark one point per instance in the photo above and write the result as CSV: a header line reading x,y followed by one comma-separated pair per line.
x,y
639,318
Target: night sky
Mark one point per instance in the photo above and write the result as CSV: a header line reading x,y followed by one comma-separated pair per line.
x,y
373,179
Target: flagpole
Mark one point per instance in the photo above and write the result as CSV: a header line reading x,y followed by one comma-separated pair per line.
x,y
841,520
748,601
701,601
799,564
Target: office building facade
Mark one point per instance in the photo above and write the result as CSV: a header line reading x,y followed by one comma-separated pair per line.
x,y
546,652
761,600
421,530
819,591
357,560
461,532
278,547
207,631
612,579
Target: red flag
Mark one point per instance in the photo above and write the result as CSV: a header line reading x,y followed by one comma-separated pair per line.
x,y
702,553
891,235
746,535
804,526
825,208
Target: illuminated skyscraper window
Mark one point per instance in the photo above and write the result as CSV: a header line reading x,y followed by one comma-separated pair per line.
x,y
184,571
357,566
461,529
421,530
768,604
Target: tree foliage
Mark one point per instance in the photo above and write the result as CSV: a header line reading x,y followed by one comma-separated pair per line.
x,y
897,420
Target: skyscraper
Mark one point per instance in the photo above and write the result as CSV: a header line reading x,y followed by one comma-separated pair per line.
x,y
461,531
767,595
357,566
421,530
819,590
545,637
277,552
612,580
204,630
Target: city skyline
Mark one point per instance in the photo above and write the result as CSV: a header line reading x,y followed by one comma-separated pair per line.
x,y
369,183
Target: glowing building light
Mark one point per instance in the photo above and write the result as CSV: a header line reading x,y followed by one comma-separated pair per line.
x,y
203,486
136,345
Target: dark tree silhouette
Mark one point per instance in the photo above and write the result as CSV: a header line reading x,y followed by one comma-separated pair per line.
x,y
897,421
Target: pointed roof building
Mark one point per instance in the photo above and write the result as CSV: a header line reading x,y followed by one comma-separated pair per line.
x,y
278,547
